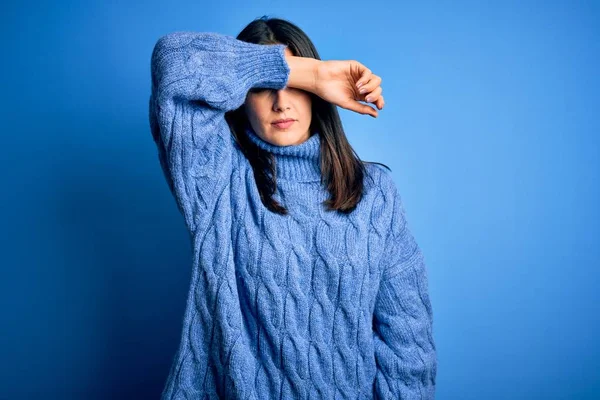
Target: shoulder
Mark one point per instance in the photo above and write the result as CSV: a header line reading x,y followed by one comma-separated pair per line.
x,y
379,180
387,202
383,196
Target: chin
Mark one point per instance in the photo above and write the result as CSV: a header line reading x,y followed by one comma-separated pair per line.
x,y
280,142
283,138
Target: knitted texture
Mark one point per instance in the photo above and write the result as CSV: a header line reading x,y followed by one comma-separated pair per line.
x,y
314,304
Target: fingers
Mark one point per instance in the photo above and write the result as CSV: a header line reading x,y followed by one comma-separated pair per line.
x,y
365,76
369,90
369,87
375,97
369,83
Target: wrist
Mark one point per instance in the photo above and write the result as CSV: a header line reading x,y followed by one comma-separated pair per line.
x,y
302,72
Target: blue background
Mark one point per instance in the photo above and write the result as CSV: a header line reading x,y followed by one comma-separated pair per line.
x,y
490,127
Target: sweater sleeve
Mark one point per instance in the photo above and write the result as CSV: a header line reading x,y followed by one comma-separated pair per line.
x,y
196,78
405,350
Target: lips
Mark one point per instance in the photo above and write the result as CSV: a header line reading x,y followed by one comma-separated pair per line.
x,y
283,123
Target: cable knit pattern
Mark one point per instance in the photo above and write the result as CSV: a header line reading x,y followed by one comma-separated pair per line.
x,y
311,305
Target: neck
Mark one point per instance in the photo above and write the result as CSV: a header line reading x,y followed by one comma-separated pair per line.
x,y
298,162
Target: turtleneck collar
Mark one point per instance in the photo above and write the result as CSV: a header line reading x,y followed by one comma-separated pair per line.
x,y
297,162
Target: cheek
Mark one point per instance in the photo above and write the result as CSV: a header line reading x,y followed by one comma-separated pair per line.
x,y
258,109
306,106
252,109
305,99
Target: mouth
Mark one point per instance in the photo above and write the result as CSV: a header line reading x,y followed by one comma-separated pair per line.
x,y
283,123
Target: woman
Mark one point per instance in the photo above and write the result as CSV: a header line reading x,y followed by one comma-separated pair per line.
x,y
306,280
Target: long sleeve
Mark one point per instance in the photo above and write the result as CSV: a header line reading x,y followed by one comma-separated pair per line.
x,y
405,350
196,78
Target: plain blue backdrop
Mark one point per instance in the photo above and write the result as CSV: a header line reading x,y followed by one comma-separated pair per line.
x,y
491,128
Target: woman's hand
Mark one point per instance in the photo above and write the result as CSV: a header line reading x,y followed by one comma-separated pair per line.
x,y
345,83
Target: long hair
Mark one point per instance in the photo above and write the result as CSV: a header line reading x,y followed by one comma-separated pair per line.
x,y
342,171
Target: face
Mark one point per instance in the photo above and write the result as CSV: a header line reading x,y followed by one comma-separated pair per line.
x,y
265,106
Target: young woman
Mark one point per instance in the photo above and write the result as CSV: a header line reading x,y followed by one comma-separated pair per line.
x,y
306,281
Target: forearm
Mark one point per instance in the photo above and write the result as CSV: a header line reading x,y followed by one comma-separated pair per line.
x,y
302,72
214,68
405,350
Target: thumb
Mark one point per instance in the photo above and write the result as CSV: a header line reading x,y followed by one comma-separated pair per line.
x,y
361,108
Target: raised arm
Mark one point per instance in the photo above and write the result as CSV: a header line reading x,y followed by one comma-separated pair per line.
x,y
196,78
405,350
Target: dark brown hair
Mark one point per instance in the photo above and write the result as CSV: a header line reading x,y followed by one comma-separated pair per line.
x,y
342,171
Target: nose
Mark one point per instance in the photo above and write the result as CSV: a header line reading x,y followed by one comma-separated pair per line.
x,y
281,100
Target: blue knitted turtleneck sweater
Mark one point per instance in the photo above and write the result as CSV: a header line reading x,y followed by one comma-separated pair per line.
x,y
314,304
